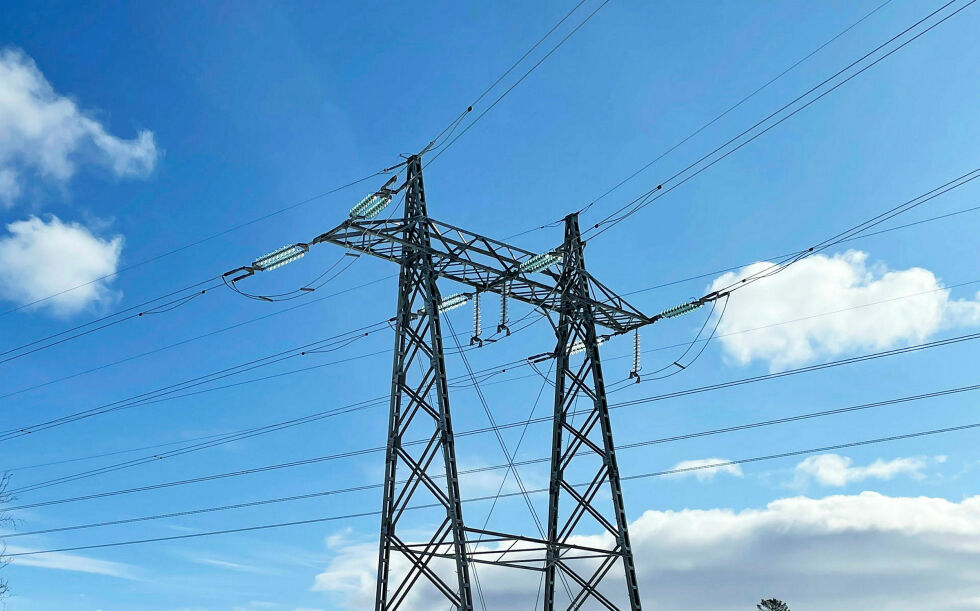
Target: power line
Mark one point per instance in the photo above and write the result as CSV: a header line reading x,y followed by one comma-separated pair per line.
x,y
628,293
341,187
520,80
192,382
657,192
650,474
854,231
453,124
236,370
230,437
134,311
847,235
790,254
166,393
857,229
809,368
213,441
639,401
196,337
740,102
531,420
202,240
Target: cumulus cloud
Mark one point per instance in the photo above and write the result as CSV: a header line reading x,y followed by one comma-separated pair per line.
x,y
45,134
836,470
40,257
870,550
839,284
699,469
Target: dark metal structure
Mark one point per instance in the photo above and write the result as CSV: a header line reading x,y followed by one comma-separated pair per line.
x,y
426,250
590,441
420,403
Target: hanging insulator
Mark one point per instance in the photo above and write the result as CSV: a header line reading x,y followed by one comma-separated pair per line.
x,y
477,321
635,373
503,309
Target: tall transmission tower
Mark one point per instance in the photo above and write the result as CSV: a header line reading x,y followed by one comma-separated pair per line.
x,y
441,557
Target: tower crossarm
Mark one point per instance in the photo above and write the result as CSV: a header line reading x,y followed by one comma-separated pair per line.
x,y
482,263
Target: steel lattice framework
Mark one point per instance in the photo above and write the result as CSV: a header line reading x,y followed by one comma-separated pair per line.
x,y
427,250
589,441
420,402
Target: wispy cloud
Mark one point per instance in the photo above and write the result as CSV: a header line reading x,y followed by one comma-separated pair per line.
x,y
72,562
232,566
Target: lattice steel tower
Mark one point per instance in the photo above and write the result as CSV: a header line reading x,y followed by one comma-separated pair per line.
x,y
425,474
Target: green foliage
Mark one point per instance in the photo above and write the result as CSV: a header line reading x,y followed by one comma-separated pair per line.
x,y
772,604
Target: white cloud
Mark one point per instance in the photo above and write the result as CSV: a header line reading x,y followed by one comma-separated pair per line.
x,y
44,133
836,470
706,474
9,187
39,258
821,284
870,550
352,571
232,566
71,562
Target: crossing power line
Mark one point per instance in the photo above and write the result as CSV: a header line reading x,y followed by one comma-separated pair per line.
x,y
576,304
659,191
481,376
613,406
637,476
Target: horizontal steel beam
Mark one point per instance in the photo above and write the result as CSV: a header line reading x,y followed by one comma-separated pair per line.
x,y
485,264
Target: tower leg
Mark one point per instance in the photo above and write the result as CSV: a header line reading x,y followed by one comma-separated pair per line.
x,y
420,406
589,443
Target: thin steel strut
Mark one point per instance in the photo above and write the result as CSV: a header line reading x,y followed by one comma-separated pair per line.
x,y
419,348
589,443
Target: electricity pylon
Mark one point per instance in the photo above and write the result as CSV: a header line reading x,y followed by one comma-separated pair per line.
x,y
426,250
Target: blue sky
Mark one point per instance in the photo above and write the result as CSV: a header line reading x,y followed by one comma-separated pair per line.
x,y
146,127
